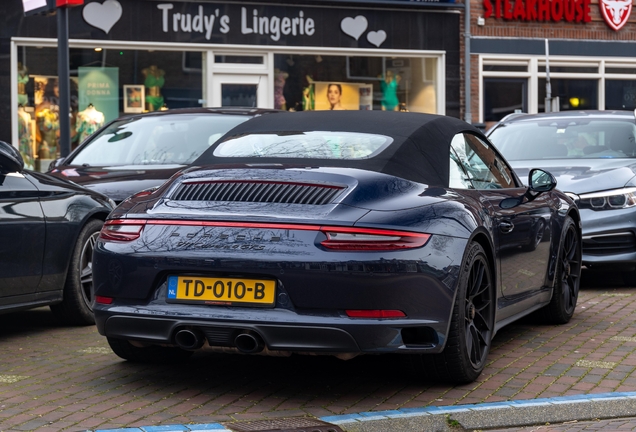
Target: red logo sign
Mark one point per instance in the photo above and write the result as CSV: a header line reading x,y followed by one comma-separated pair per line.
x,y
615,12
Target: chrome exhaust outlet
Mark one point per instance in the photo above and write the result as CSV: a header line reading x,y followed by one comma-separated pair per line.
x,y
189,339
249,343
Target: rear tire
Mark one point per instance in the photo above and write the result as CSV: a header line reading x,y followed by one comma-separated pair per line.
x,y
567,279
76,307
152,354
471,328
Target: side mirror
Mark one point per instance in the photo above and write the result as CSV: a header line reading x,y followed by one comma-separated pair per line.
x,y
10,158
541,181
55,163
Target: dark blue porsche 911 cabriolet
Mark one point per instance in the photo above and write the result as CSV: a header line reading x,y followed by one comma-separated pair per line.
x,y
339,233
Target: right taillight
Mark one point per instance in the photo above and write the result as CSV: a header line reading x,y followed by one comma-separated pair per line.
x,y
122,230
369,239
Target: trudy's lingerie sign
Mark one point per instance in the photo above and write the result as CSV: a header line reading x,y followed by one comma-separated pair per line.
x,y
251,22
216,22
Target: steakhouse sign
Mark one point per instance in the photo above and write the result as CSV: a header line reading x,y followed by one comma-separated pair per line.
x,y
615,12
539,10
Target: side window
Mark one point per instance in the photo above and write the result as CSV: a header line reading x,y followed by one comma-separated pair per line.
x,y
484,167
498,168
457,174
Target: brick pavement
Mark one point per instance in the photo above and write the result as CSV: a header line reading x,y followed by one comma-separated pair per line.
x,y
55,378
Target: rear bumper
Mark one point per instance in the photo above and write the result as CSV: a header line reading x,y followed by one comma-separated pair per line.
x,y
321,335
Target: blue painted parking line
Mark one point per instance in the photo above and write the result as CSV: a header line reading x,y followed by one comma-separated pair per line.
x,y
404,412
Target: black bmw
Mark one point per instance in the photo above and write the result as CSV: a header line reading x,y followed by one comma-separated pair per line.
x,y
338,233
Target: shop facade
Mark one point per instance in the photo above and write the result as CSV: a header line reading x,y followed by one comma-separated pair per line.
x,y
145,55
591,63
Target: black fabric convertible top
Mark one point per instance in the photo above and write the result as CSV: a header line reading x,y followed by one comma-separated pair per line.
x,y
419,152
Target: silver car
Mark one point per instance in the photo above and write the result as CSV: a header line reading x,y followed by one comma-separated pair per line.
x,y
592,154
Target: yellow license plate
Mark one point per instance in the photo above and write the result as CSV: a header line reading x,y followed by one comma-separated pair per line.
x,y
223,291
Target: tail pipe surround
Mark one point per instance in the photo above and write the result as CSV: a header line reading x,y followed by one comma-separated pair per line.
x,y
189,339
249,342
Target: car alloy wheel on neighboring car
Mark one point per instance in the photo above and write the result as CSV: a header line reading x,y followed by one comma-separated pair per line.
x,y
76,306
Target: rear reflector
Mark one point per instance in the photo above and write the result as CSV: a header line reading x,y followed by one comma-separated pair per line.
x,y
103,300
374,313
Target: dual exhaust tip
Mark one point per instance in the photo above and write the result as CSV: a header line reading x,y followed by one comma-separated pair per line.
x,y
246,341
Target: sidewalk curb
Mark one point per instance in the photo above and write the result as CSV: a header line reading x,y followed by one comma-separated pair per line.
x,y
473,416
493,415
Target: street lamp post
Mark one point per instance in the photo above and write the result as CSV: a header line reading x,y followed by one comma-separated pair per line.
x,y
64,74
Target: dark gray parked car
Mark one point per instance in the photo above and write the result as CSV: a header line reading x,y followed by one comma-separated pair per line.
x,y
592,154
48,228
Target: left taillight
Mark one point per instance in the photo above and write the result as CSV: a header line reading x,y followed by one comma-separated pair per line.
x,y
122,230
368,239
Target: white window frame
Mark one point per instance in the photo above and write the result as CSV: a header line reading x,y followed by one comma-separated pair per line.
x,y
533,75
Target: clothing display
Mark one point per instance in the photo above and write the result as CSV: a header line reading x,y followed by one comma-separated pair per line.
x,y
389,85
23,80
48,122
309,96
154,81
279,84
25,138
88,121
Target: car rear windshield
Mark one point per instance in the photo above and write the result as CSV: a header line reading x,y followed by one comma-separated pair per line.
x,y
566,139
304,145
155,140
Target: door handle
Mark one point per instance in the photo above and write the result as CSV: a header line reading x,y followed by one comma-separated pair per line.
x,y
506,226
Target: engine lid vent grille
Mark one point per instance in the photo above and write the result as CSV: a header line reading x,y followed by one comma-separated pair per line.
x,y
258,192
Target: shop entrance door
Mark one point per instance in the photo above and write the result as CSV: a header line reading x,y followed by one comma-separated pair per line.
x,y
237,90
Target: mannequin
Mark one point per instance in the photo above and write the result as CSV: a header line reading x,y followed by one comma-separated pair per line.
x,y
25,138
154,81
23,79
389,85
279,84
88,121
48,121
309,95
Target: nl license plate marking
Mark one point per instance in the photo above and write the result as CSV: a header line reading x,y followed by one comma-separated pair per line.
x,y
221,291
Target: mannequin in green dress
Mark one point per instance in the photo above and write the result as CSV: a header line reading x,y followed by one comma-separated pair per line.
x,y
154,80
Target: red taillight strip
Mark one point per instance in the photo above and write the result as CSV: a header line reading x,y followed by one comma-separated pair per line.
x,y
407,239
235,224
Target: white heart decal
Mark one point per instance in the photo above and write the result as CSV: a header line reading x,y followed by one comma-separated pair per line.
x,y
376,38
354,27
103,16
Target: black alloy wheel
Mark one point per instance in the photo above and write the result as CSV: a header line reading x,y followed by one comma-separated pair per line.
x,y
479,312
567,279
76,306
471,328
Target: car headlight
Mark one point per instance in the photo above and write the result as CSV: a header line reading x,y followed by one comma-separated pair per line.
x,y
608,200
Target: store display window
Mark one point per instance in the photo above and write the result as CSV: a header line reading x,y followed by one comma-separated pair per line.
x,y
320,82
105,84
